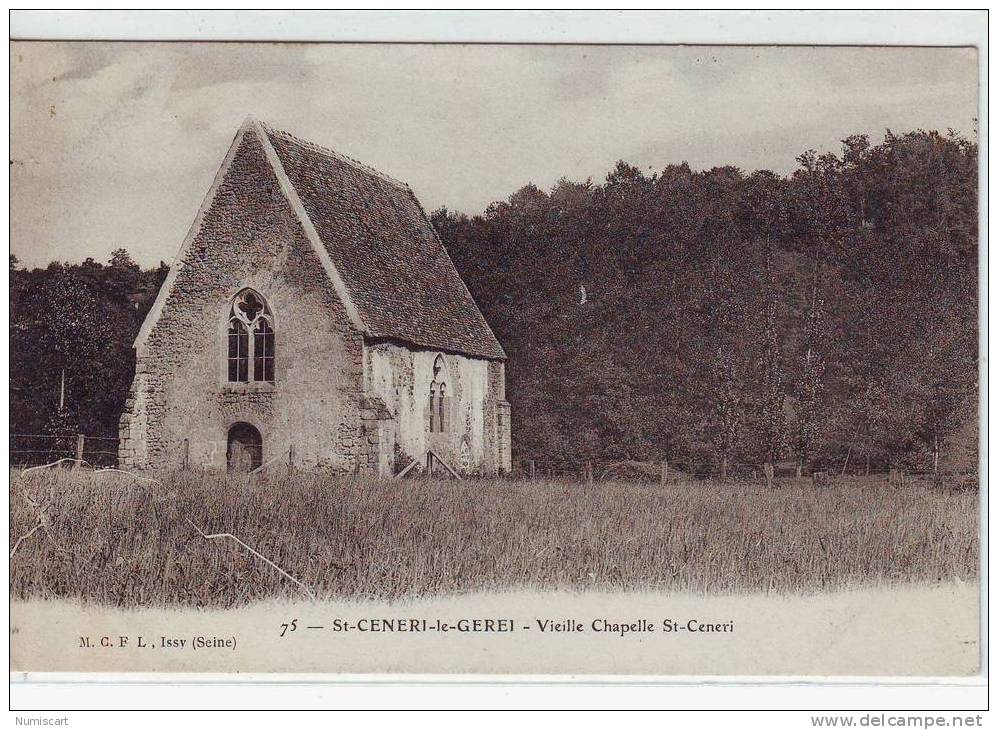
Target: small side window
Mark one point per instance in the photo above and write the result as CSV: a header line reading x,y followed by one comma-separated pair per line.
x,y
439,398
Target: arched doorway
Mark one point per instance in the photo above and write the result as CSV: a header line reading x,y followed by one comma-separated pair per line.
x,y
245,448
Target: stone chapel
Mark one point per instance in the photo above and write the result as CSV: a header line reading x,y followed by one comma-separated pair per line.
x,y
312,315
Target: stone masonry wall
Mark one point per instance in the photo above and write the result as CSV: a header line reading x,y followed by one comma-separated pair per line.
x,y
502,443
250,237
401,376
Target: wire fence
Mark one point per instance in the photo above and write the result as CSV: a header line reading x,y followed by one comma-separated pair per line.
x,y
683,470
29,449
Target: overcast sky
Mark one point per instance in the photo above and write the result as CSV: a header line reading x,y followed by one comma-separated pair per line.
x,y
115,144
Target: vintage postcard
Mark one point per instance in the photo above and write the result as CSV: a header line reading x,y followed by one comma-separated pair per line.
x,y
588,360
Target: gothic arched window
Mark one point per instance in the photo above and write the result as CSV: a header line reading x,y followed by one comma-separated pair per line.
x,y
250,358
439,400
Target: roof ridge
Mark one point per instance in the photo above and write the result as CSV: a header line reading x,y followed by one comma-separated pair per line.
x,y
337,155
384,252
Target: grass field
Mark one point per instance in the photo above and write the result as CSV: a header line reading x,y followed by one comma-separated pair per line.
x,y
113,539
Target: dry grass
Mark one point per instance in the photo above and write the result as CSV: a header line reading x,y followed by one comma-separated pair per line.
x,y
108,539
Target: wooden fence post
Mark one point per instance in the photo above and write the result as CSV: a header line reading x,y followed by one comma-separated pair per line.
x,y
665,472
79,449
533,470
589,473
291,459
187,454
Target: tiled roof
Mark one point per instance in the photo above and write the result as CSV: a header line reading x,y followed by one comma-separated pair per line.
x,y
394,266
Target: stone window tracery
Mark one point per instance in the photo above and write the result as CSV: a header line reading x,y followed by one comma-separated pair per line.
x,y
439,399
250,358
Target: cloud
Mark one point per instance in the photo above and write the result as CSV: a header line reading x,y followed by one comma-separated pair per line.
x,y
201,66
115,143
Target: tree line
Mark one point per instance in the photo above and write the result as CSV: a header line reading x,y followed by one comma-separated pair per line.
x,y
713,318
719,318
71,333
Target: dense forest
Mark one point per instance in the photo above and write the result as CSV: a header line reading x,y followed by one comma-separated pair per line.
x,y
71,333
717,319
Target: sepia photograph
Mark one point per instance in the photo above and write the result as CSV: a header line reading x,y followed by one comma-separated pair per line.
x,y
494,359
